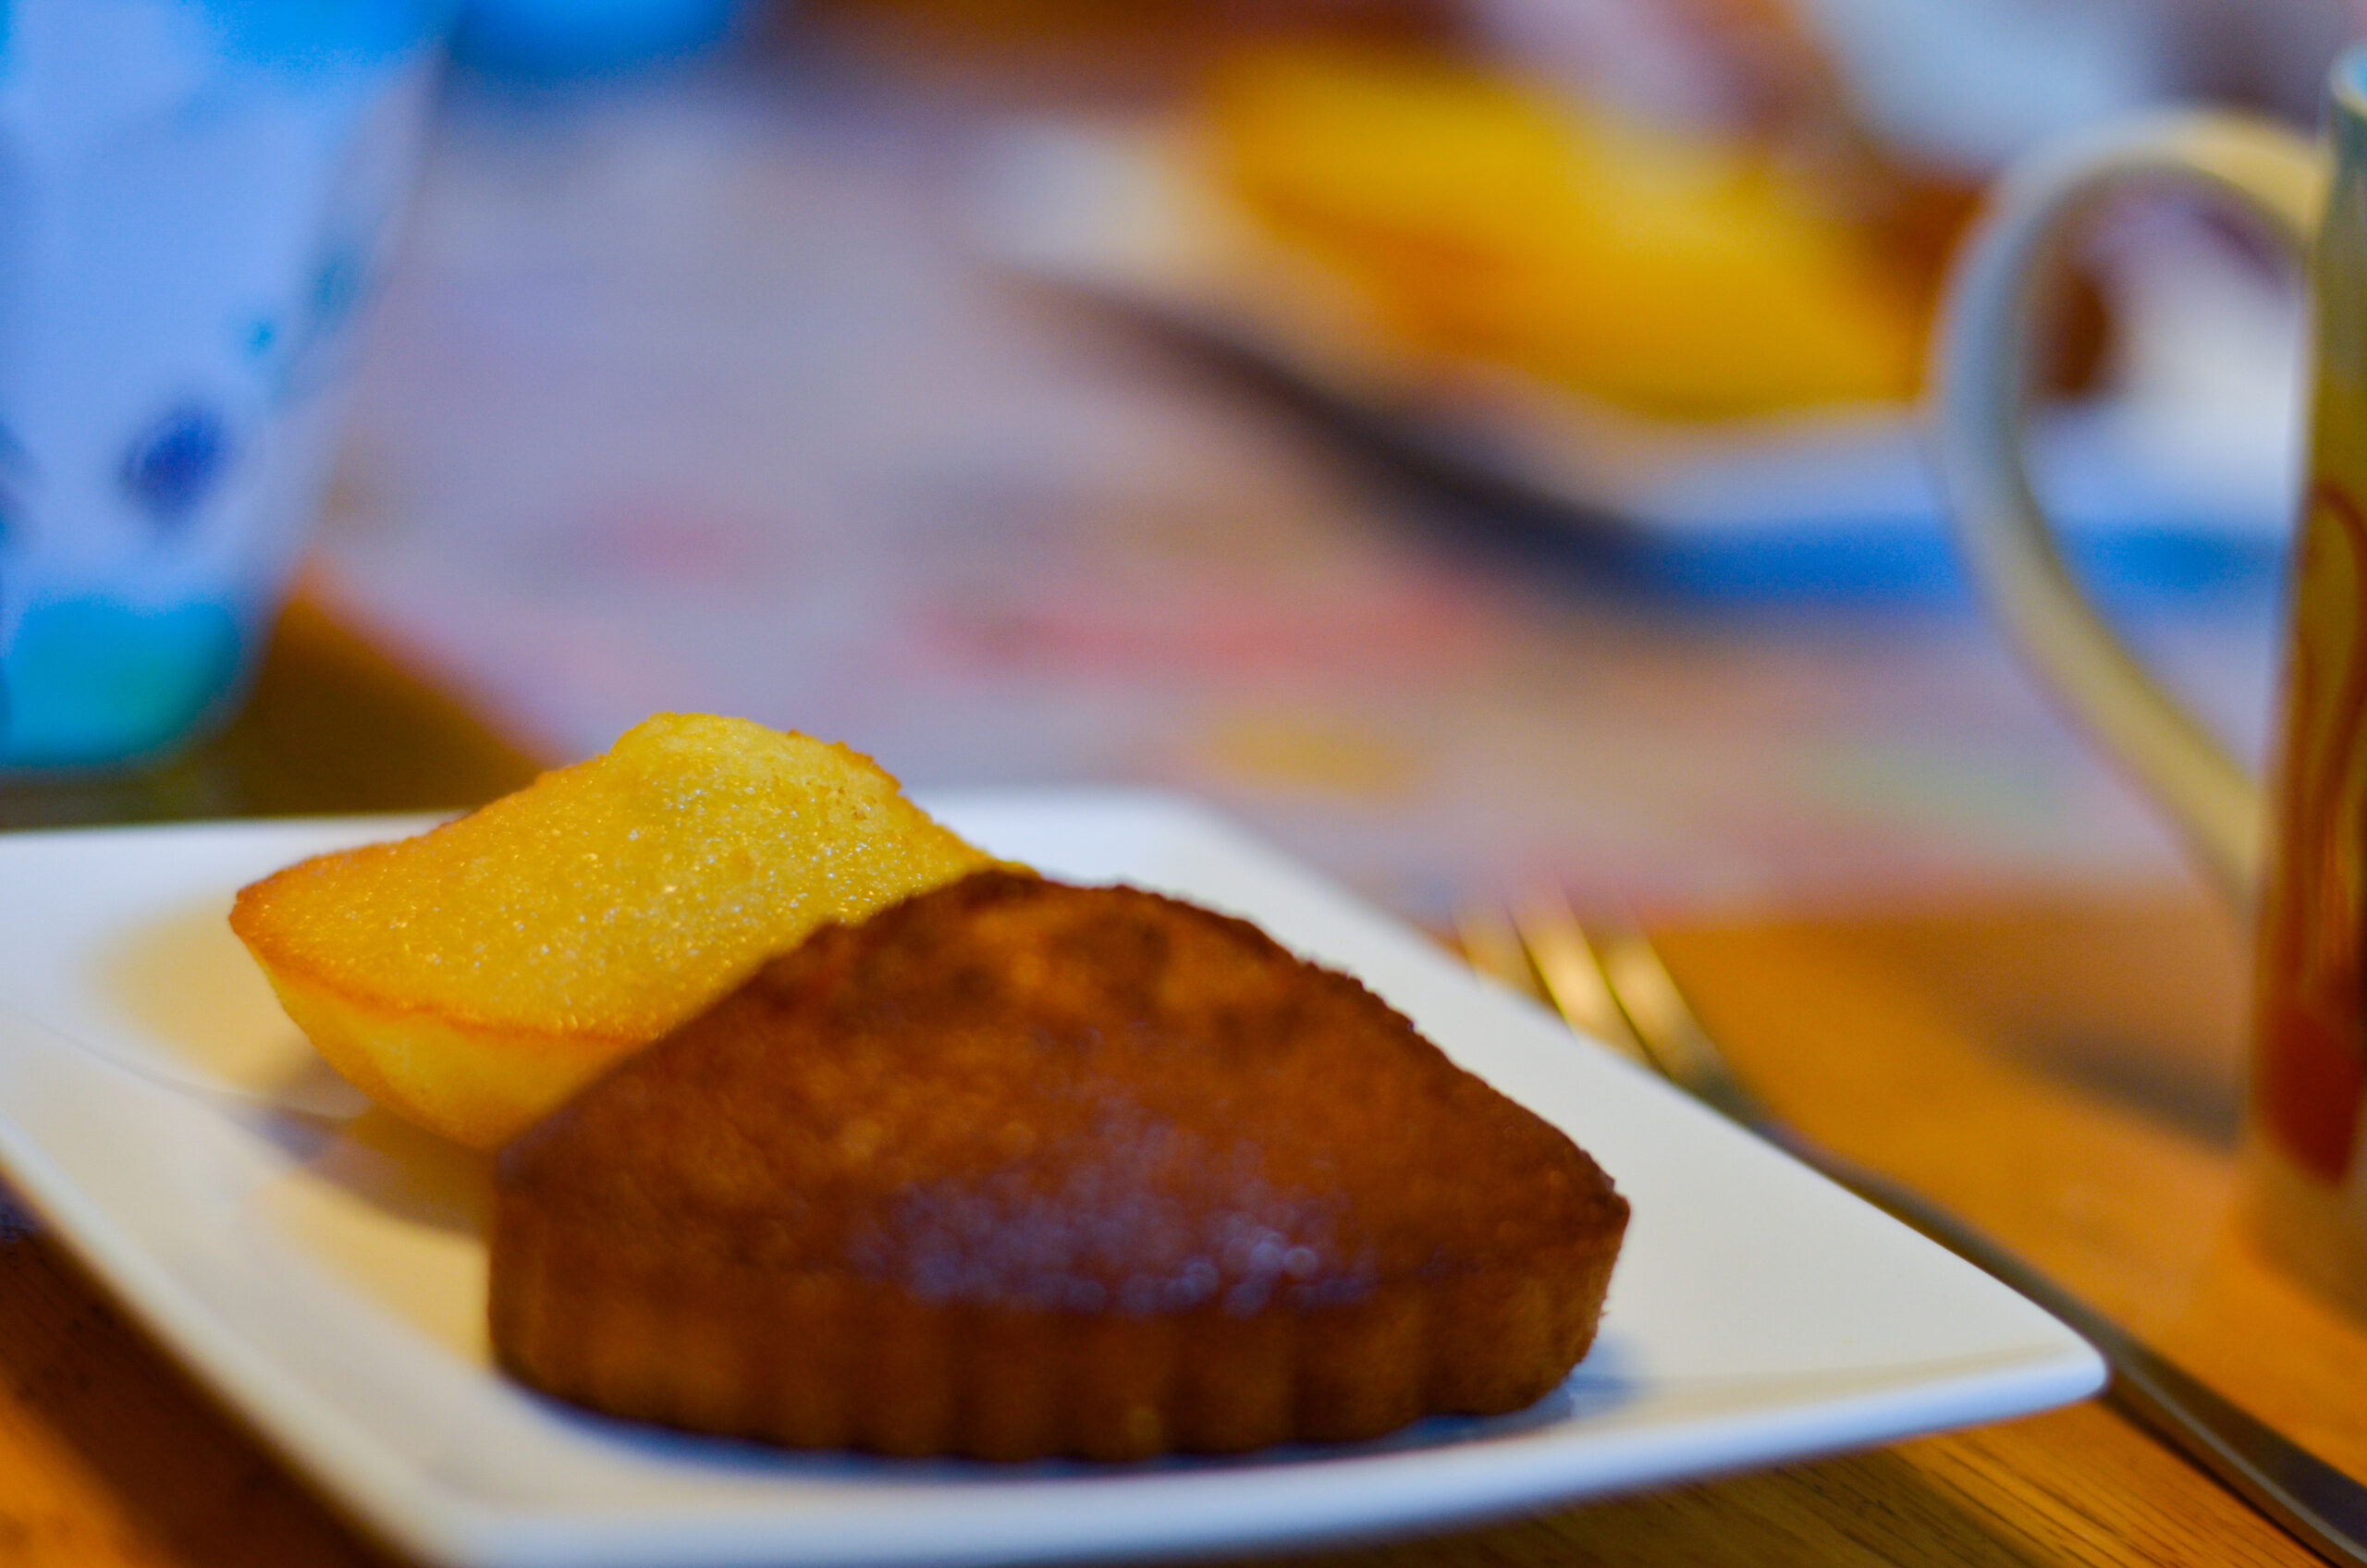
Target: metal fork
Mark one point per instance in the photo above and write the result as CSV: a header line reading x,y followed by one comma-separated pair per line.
x,y
1615,988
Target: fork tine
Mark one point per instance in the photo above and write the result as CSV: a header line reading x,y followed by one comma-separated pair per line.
x,y
1680,1046
1491,946
1570,972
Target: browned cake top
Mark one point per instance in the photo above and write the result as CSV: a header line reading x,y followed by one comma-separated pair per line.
x,y
1013,1092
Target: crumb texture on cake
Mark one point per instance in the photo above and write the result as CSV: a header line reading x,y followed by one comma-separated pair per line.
x,y
474,975
1017,1168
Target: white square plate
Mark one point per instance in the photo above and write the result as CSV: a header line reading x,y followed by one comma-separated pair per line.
x,y
321,1266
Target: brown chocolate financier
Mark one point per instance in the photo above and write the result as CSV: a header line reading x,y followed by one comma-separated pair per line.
x,y
1016,1168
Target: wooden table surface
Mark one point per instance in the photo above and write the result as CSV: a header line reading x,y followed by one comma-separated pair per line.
x,y
2065,1072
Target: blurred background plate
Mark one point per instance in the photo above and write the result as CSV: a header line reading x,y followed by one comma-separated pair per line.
x,y
2177,477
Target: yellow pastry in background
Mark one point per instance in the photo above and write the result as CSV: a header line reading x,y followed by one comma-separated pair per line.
x,y
473,977
1673,274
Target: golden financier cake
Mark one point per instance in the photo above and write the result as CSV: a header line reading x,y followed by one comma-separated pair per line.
x,y
1016,1168
473,977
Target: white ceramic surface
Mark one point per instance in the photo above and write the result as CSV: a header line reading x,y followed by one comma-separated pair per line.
x,y
1995,309
321,1266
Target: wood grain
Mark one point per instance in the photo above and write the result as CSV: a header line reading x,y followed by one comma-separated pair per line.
x,y
109,1455
333,725
2079,1100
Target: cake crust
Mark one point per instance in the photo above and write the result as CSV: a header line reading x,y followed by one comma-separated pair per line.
x,y
1016,1168
471,978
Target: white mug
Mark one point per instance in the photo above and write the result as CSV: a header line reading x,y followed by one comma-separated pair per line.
x,y
2293,858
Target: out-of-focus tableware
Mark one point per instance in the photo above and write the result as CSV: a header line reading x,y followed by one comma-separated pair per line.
x,y
1614,988
321,1268
194,197
562,38
2297,860
2167,491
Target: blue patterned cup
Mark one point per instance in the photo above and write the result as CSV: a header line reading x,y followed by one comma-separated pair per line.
x,y
194,201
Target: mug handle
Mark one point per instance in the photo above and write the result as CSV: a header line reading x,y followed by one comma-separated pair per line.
x,y
1980,383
